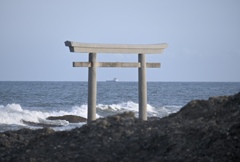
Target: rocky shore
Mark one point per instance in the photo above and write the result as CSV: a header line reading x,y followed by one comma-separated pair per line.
x,y
203,130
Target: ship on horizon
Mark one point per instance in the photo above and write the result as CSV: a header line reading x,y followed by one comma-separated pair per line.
x,y
113,80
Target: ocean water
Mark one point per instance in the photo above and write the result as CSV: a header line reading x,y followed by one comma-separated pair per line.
x,y
35,101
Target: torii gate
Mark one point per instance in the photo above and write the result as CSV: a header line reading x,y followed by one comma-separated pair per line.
x,y
92,65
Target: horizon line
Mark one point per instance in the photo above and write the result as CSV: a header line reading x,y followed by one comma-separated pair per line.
x,y
117,81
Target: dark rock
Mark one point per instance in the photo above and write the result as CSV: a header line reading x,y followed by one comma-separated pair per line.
x,y
203,130
36,124
69,118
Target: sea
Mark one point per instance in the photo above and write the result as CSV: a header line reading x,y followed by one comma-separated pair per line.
x,y
35,101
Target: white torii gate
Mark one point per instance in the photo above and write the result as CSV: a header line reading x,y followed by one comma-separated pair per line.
x,y
92,65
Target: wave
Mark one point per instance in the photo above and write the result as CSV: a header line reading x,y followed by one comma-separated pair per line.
x,y
132,106
125,106
14,114
167,110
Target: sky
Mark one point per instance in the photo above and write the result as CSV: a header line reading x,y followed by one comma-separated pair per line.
x,y
203,38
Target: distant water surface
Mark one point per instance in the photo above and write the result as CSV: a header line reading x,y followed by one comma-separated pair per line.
x,y
35,101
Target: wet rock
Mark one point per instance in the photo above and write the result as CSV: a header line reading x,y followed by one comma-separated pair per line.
x,y
37,124
203,130
69,118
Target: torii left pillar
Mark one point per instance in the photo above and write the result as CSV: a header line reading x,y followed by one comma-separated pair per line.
x,y
142,87
92,87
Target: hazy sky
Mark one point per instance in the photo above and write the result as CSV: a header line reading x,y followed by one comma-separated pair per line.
x,y
203,38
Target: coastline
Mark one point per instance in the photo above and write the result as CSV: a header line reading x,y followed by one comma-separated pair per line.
x,y
203,130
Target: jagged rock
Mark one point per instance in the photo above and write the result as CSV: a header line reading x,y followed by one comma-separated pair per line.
x,y
203,130
69,118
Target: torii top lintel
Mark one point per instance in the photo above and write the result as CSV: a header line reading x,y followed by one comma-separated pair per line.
x,y
116,48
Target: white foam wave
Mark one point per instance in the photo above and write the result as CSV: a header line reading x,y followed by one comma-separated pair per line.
x,y
167,110
14,114
132,106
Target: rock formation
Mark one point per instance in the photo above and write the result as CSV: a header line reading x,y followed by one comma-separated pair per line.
x,y
203,130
